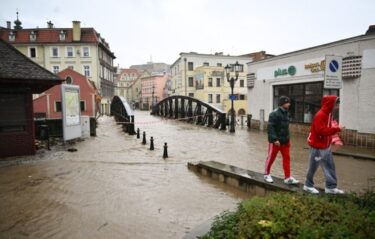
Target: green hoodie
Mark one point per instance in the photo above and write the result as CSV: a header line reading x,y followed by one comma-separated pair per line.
x,y
278,126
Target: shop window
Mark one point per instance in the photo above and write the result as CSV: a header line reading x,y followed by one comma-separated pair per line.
x,y
219,64
305,99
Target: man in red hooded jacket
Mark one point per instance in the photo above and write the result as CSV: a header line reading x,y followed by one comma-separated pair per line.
x,y
320,138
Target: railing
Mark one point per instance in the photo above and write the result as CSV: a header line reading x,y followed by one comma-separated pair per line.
x,y
122,112
191,110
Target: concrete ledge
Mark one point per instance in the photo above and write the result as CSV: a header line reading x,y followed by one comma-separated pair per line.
x,y
355,155
244,180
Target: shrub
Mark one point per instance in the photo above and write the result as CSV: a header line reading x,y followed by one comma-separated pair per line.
x,y
286,215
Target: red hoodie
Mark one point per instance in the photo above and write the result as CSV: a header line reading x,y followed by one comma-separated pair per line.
x,y
321,128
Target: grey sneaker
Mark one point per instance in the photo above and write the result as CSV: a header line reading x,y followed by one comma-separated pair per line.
x,y
291,180
334,191
268,178
311,190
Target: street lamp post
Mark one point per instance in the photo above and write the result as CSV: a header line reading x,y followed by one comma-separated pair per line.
x,y
232,80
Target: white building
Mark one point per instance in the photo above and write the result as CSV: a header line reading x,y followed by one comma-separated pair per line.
x,y
300,75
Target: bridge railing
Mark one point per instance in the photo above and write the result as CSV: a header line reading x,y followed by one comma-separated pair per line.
x,y
123,113
191,110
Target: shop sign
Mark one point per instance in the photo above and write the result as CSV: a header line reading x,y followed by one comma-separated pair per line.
x,y
290,71
316,67
333,72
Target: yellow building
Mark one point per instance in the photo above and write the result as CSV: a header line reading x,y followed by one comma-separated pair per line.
x,y
81,49
211,86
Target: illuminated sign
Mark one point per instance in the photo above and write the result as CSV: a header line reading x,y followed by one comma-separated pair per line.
x,y
316,67
290,71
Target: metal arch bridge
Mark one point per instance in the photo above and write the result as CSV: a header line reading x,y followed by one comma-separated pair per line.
x,y
123,113
191,110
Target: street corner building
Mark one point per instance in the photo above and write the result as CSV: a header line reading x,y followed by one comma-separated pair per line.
x,y
301,75
20,77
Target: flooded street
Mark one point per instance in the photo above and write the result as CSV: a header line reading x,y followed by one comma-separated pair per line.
x,y
115,187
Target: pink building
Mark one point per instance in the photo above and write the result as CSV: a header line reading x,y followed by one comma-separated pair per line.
x,y
152,90
48,105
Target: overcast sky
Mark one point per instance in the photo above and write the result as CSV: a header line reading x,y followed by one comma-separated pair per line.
x,y
140,29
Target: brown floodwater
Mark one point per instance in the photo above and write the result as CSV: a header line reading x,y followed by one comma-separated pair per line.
x,y
115,187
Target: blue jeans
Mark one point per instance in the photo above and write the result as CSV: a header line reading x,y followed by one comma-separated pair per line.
x,y
324,158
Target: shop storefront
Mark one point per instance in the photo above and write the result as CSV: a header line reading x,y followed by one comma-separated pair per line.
x,y
300,75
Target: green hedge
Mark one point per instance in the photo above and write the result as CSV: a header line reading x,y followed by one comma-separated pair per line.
x,y
286,215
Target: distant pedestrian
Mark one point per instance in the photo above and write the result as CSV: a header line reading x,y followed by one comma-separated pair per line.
x,y
320,140
279,140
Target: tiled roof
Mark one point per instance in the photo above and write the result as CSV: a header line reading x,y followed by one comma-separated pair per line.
x,y
15,65
49,35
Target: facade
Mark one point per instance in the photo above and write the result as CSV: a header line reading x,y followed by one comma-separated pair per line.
x,y
300,75
124,80
152,67
19,79
152,90
48,104
211,86
81,49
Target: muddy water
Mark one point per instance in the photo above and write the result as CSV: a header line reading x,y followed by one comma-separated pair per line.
x,y
114,187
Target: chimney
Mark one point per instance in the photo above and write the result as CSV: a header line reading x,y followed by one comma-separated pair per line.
x,y
9,24
76,30
371,30
49,24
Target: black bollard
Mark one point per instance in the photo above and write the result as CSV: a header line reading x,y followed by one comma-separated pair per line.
x,y
152,143
138,136
165,154
144,138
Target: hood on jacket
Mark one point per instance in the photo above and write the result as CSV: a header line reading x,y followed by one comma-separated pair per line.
x,y
328,102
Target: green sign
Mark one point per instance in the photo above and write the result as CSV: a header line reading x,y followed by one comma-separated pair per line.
x,y
290,71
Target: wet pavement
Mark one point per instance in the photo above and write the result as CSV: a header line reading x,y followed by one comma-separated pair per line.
x,y
115,187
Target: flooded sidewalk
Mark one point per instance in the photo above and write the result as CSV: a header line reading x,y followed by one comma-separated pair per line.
x,y
115,187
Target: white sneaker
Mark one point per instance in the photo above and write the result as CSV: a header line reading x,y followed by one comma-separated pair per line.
x,y
291,180
334,191
268,178
311,190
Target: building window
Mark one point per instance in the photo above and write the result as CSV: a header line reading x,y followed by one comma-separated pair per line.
x,y
219,64
32,36
71,67
206,64
86,71
13,112
69,51
86,51
209,82
12,36
242,97
218,81
218,99
209,98
191,82
83,106
32,52
191,95
190,66
305,99
69,80
57,106
55,52
242,83
55,69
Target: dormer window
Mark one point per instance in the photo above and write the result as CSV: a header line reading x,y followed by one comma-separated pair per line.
x,y
32,36
62,35
12,36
